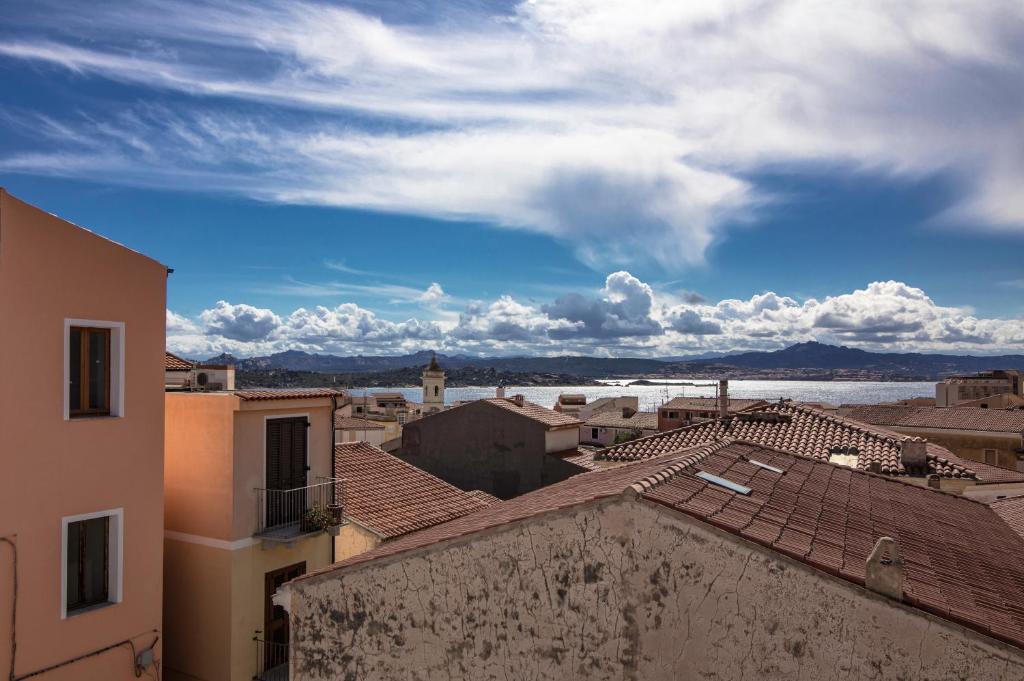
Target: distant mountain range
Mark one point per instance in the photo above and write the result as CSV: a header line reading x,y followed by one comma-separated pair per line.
x,y
803,360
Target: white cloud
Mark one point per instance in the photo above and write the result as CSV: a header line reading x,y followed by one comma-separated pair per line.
x,y
626,133
627,317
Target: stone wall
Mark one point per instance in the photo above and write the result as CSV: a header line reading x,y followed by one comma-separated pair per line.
x,y
624,589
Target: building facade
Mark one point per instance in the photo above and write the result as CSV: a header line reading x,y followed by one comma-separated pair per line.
x,y
957,389
81,412
502,446
791,569
250,504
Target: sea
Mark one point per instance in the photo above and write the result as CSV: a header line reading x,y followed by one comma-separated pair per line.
x,y
833,392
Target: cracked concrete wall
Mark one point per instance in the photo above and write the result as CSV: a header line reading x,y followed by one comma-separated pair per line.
x,y
623,589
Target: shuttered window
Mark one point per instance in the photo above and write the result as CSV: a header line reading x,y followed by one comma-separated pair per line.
x,y
89,372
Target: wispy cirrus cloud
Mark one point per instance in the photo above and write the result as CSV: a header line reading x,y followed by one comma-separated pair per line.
x,y
629,134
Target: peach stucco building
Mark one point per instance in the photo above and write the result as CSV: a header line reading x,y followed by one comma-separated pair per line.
x,y
82,417
243,469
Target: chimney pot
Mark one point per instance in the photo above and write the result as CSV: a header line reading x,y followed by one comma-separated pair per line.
x,y
914,455
500,391
723,398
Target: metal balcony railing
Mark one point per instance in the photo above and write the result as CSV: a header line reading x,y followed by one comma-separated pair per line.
x,y
271,661
288,513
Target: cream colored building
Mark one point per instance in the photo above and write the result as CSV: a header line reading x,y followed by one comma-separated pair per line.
x,y
250,503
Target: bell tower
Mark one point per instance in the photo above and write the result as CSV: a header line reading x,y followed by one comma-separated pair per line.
x,y
433,387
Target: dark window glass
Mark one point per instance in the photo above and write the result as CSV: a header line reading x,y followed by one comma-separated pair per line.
x,y
88,567
89,372
75,366
593,433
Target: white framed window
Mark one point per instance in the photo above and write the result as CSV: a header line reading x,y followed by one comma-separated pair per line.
x,y
93,368
92,561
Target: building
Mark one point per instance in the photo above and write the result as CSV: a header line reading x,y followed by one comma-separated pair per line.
x,y
433,387
82,418
570,403
502,446
250,503
684,411
610,405
957,389
607,428
386,498
355,429
991,436
728,560
389,405
183,374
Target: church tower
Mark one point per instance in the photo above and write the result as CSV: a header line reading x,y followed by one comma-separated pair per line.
x,y
433,387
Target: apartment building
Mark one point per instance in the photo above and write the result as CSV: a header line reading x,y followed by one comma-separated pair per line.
x,y
251,502
957,389
82,417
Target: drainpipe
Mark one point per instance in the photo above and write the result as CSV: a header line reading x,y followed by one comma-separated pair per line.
x,y
334,454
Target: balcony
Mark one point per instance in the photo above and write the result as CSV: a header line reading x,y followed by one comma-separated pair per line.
x,y
283,515
271,661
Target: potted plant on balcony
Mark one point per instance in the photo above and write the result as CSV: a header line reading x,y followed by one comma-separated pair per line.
x,y
318,519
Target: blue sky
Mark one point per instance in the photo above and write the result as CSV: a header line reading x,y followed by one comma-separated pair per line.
x,y
548,177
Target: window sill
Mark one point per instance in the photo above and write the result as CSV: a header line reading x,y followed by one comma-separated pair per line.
x,y
91,417
87,609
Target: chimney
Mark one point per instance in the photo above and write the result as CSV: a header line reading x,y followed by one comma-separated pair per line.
x,y
934,482
914,455
500,391
884,572
723,398
519,400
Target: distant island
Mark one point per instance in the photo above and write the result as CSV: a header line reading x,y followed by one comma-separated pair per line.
x,y
809,361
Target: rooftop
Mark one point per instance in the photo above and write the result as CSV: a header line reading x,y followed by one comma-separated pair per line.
x,y
353,423
549,417
392,498
961,559
951,418
287,393
710,403
798,429
644,420
174,363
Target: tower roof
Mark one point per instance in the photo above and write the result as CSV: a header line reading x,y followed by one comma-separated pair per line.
x,y
434,366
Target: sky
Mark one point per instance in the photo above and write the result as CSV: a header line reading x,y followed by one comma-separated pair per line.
x,y
541,177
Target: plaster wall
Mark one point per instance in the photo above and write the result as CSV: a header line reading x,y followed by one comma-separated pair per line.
x,y
618,590
353,540
969,444
55,467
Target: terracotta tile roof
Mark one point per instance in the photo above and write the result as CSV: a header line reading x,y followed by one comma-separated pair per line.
x,y
581,456
1011,510
955,418
353,423
986,473
793,428
644,420
961,562
392,498
287,393
710,403
961,557
483,496
549,417
174,363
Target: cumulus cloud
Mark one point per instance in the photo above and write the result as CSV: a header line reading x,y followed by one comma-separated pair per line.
x,y
624,309
627,134
625,317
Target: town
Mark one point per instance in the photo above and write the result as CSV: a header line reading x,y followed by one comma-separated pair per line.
x,y
158,520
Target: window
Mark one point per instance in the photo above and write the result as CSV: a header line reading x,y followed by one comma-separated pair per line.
x,y
93,368
91,561
593,433
990,456
89,371
435,391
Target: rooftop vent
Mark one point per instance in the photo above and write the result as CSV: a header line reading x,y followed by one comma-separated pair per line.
x,y
519,400
765,466
722,482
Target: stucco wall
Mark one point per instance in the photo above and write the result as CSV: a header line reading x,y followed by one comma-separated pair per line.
x,y
353,540
971,444
562,439
622,590
469,445
54,467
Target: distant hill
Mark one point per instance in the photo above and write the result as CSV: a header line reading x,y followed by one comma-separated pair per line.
x,y
814,355
803,360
